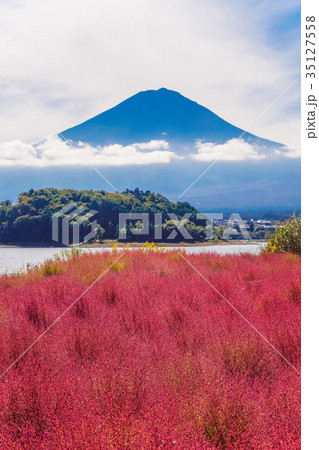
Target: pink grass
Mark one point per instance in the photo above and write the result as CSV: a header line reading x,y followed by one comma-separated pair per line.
x,y
151,356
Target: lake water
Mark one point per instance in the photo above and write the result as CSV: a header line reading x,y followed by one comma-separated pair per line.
x,y
14,258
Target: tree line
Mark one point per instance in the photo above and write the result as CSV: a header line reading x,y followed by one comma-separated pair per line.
x,y
29,219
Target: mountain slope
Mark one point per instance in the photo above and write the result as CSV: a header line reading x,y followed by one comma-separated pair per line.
x,y
161,114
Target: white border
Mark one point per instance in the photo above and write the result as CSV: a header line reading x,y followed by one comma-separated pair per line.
x,y
310,248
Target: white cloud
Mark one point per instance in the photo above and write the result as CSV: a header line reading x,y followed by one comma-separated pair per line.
x,y
232,150
75,59
55,152
289,152
13,152
152,145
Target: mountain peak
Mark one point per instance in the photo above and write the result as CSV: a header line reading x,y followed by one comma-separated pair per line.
x,y
162,90
149,115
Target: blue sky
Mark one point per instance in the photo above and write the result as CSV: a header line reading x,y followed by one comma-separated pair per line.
x,y
75,59
284,28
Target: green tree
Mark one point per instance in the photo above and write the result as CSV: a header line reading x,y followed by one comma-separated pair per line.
x,y
287,237
30,218
99,233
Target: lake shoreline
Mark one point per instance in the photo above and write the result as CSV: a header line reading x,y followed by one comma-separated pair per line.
x,y
110,244
16,258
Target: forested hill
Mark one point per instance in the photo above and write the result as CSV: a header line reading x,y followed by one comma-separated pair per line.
x,y
29,220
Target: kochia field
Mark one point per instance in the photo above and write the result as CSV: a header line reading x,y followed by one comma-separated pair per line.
x,y
152,356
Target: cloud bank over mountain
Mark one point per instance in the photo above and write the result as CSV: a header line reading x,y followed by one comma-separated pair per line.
x,y
240,150
232,150
55,152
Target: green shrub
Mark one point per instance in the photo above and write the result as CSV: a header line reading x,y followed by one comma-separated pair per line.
x,y
287,237
68,254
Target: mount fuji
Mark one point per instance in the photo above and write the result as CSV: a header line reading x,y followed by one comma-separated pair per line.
x,y
155,115
161,141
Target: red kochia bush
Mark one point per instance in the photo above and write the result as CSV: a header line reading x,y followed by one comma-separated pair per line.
x,y
152,356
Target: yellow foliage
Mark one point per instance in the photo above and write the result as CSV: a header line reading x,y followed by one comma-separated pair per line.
x,y
152,247
52,268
